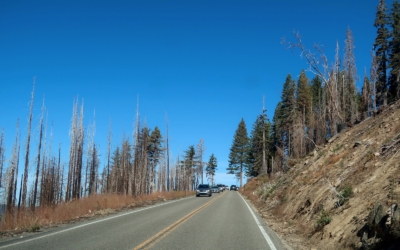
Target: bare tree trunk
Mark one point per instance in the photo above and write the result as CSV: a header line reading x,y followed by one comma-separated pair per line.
x,y
167,154
109,139
28,140
72,152
38,159
199,159
1,157
11,175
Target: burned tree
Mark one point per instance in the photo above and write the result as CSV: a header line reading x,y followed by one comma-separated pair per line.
x,y
28,140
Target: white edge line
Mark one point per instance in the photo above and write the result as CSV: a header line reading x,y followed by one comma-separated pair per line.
x,y
90,223
267,238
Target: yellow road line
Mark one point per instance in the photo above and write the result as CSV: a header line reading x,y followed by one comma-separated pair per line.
x,y
166,231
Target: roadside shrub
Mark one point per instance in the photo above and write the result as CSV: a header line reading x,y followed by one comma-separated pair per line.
x,y
336,148
323,220
345,195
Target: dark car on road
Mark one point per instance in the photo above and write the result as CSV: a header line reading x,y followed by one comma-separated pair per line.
x,y
203,189
234,187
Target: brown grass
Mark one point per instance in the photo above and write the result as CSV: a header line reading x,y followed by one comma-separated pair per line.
x,y
95,205
335,158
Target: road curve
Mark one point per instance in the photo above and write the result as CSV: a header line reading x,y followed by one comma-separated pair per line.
x,y
223,221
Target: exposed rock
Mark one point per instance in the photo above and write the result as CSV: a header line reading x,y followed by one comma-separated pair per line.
x,y
376,215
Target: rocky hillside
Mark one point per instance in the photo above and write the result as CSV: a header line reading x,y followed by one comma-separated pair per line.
x,y
344,195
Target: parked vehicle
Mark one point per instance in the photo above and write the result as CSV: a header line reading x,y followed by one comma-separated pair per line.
x,y
234,187
215,189
203,189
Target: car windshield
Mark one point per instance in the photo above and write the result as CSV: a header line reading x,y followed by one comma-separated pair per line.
x,y
203,186
215,187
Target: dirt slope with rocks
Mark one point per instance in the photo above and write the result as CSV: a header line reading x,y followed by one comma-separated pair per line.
x,y
344,195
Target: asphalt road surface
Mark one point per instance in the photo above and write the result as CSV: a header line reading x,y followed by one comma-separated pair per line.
x,y
223,221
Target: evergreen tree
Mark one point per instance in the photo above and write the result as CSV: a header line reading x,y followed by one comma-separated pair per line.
x,y
277,135
289,113
317,129
381,50
154,153
239,152
259,151
394,53
303,104
212,165
189,165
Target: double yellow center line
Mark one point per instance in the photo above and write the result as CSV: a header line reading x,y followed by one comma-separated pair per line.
x,y
163,233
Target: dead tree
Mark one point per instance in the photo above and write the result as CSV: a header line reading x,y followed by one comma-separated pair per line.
x,y
109,139
76,154
167,153
350,78
1,157
92,160
11,172
318,65
38,159
373,74
28,140
200,149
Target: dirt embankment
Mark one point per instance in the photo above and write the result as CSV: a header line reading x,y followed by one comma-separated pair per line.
x,y
344,195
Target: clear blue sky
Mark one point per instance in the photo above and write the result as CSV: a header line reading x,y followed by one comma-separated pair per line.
x,y
206,64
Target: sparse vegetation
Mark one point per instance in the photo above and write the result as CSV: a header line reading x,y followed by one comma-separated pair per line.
x,y
336,148
78,209
323,220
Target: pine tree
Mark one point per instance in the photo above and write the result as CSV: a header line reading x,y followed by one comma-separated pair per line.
x,y
317,128
303,104
212,165
239,152
259,151
189,165
289,113
278,136
394,53
381,50
154,151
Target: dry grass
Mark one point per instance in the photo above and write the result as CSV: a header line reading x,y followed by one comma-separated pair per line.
x,y
396,128
328,164
335,158
95,205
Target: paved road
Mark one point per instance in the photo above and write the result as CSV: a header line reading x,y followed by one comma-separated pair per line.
x,y
223,221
